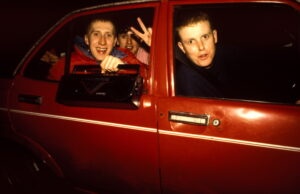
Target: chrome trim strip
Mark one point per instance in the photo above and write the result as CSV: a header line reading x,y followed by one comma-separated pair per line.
x,y
81,120
232,141
164,132
4,109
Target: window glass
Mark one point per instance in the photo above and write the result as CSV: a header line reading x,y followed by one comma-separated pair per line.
x,y
54,49
256,52
69,48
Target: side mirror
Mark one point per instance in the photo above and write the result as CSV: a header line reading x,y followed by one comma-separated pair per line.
x,y
112,90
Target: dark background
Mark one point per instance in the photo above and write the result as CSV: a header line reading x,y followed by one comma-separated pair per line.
x,y
22,23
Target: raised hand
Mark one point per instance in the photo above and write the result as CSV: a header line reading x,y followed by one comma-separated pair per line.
x,y
146,35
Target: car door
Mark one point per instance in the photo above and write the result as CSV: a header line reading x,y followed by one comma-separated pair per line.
x,y
243,143
95,148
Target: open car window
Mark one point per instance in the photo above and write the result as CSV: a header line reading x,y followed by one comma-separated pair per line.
x,y
62,44
260,44
67,59
53,49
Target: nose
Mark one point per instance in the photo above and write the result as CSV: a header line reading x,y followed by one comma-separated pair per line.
x,y
129,41
102,40
201,45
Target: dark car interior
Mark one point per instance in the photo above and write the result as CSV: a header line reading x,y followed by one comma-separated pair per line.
x,y
266,40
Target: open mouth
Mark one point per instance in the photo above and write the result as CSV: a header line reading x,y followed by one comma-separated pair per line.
x,y
101,50
203,57
129,47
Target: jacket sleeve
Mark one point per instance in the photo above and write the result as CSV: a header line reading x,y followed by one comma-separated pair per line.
x,y
57,70
130,58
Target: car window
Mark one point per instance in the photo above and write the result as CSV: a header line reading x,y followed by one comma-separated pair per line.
x,y
61,45
54,49
256,56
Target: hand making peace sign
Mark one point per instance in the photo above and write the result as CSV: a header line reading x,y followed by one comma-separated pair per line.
x,y
147,32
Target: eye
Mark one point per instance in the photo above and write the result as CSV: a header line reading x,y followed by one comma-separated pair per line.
x,y
206,36
191,41
96,34
123,36
108,35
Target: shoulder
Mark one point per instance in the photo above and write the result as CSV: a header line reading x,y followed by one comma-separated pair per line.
x,y
126,56
81,49
190,81
143,55
186,70
121,52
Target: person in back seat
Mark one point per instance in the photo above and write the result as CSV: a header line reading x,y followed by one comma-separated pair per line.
x,y
137,42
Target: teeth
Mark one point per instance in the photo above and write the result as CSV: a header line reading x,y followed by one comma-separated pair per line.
x,y
101,49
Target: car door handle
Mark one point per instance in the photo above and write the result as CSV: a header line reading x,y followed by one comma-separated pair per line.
x,y
189,118
31,99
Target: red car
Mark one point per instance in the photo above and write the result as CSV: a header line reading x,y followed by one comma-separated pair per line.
x,y
137,135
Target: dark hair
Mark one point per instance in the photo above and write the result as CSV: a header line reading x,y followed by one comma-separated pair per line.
x,y
188,17
102,19
124,30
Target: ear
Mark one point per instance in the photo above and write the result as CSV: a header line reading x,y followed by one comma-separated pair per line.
x,y
180,45
215,34
86,39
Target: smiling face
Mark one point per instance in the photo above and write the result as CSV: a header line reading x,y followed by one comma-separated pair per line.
x,y
101,38
198,42
127,41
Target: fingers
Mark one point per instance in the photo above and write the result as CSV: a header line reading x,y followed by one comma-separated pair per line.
x,y
147,32
149,36
150,31
110,64
48,57
138,33
142,25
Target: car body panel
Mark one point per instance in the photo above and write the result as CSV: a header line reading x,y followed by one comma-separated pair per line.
x,y
248,140
169,144
88,140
